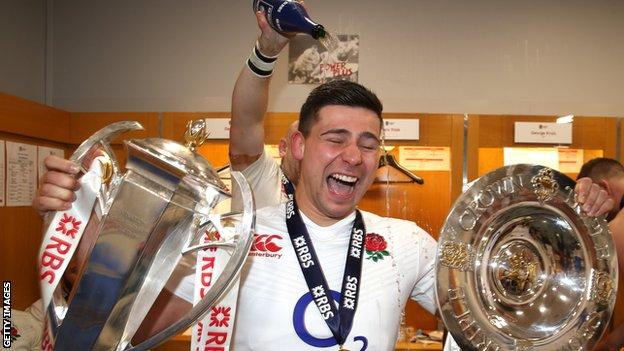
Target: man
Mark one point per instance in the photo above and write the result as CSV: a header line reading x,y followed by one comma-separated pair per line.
x,y
370,264
609,175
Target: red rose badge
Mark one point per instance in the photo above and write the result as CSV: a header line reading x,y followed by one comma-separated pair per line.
x,y
376,247
14,334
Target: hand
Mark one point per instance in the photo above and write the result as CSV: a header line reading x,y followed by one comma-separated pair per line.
x,y
56,192
270,41
594,200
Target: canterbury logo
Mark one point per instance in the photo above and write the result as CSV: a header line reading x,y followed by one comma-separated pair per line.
x,y
266,243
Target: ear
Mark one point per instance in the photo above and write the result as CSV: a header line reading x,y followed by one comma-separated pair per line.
x,y
297,145
606,186
282,147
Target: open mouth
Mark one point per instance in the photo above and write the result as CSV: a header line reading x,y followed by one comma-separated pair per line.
x,y
341,184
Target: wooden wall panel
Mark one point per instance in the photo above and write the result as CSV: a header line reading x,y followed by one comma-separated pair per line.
x,y
594,134
275,125
27,118
83,124
587,132
490,158
20,239
457,156
216,152
20,227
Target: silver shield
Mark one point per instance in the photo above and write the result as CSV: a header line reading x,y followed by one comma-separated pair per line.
x,y
521,267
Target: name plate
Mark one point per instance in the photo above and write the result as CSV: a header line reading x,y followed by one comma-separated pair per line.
x,y
543,133
219,128
401,129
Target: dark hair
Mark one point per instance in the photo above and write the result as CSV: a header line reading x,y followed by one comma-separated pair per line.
x,y
601,168
337,92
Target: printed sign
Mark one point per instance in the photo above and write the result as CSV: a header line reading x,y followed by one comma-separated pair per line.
x,y
543,133
21,173
570,160
424,158
219,128
401,129
273,151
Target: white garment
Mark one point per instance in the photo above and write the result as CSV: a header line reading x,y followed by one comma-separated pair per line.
x,y
28,326
275,311
450,344
265,179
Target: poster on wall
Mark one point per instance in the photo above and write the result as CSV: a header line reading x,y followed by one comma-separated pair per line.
x,y
309,62
21,173
2,173
425,158
570,160
42,153
273,151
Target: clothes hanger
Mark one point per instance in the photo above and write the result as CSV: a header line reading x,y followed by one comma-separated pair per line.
x,y
390,161
222,168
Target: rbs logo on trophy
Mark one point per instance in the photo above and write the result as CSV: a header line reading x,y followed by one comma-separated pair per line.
x,y
266,245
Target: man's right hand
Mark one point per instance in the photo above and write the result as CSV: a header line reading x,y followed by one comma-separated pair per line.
x,y
270,41
56,192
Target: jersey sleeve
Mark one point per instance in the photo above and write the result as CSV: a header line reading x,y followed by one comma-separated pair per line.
x,y
264,177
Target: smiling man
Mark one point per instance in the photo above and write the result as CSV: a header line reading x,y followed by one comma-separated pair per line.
x,y
327,244
336,277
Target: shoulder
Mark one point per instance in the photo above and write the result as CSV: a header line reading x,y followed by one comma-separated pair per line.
x,y
395,227
264,163
271,217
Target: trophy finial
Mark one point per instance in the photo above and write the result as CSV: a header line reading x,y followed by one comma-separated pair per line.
x,y
196,133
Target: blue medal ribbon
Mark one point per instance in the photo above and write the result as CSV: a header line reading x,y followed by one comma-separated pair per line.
x,y
339,320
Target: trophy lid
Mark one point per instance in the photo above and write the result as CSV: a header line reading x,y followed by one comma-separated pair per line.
x,y
176,159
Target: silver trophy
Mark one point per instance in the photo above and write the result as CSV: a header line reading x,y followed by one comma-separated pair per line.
x,y
144,221
521,267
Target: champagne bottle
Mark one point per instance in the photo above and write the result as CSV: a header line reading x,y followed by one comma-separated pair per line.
x,y
289,16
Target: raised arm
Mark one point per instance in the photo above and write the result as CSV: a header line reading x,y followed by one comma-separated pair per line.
x,y
250,100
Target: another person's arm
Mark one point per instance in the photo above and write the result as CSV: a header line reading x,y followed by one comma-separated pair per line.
x,y
58,184
615,339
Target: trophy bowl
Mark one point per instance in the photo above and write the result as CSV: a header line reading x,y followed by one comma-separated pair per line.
x,y
521,267
104,262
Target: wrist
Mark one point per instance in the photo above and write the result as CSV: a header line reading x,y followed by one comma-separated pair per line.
x,y
268,48
260,63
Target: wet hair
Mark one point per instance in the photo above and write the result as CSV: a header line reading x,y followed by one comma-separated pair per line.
x,y
340,93
601,168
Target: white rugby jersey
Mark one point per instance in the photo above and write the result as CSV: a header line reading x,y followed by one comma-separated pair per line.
x,y
265,179
275,310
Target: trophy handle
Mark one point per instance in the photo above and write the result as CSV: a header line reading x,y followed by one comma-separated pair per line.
x,y
241,244
98,145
